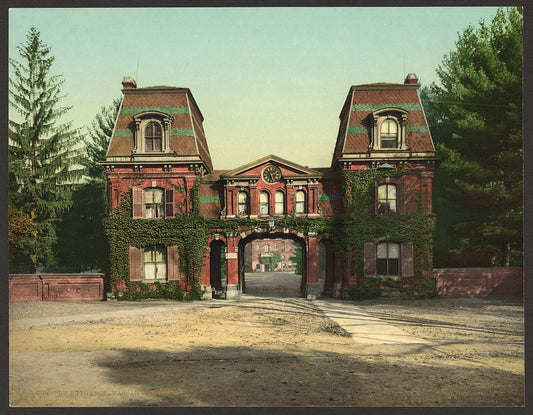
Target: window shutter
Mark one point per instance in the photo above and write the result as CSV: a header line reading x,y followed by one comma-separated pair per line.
x,y
173,263
136,264
369,259
400,198
137,202
407,259
169,203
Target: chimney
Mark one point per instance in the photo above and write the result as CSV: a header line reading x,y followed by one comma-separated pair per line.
x,y
411,79
128,83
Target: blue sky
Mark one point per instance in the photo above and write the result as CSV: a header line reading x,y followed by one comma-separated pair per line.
x,y
267,80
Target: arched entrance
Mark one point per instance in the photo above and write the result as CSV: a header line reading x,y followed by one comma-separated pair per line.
x,y
326,267
217,265
265,267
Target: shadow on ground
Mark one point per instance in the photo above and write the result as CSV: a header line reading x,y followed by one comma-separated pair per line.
x,y
244,376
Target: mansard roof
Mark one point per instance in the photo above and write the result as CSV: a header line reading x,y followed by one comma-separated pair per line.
x,y
363,100
187,142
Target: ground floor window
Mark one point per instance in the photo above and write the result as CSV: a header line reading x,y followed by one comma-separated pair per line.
x,y
155,263
388,257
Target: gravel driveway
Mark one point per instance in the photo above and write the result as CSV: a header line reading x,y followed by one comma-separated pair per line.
x,y
263,352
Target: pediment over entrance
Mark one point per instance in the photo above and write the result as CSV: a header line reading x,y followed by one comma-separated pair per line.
x,y
287,170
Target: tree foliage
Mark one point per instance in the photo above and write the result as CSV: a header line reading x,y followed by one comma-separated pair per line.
x,y
82,241
44,159
476,118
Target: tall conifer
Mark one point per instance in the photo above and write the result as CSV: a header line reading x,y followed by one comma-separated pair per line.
x,y
44,159
480,100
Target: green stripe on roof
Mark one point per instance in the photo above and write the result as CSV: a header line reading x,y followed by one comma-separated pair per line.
x,y
416,128
369,107
208,199
123,133
182,131
357,129
167,110
325,197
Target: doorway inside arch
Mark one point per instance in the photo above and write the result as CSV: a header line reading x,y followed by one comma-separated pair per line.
x,y
272,265
217,265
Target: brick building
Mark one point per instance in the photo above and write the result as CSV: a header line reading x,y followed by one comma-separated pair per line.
x,y
159,151
258,253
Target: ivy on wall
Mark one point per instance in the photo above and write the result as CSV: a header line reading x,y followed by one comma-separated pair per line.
x,y
359,224
190,232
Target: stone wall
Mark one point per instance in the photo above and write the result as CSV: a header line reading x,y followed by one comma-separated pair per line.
x,y
479,281
56,287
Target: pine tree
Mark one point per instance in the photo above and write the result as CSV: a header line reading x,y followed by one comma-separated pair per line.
x,y
82,242
479,100
43,158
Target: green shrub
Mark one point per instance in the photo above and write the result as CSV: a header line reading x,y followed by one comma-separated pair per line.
x,y
422,289
366,291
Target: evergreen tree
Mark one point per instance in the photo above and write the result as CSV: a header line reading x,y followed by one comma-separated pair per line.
x,y
478,112
82,242
43,157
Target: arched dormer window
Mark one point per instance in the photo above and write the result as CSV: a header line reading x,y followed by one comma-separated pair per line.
x,y
242,203
279,203
389,133
264,204
152,133
153,137
388,129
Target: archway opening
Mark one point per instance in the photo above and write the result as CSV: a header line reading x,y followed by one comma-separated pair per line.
x,y
217,265
272,265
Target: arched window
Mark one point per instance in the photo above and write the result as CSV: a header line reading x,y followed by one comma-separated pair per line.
x,y
264,205
389,134
279,203
300,201
267,248
155,263
153,137
242,201
153,203
387,199
388,256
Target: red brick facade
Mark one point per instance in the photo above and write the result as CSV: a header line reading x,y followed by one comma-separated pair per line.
x,y
381,126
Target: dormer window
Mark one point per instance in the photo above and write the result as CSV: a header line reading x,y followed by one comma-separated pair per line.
x,y
388,129
153,137
152,133
389,134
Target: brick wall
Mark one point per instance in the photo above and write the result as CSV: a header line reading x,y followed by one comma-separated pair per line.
x,y
56,287
479,281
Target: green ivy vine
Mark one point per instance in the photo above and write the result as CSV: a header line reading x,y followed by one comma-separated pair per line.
x,y
190,233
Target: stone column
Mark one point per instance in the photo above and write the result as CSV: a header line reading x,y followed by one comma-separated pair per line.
x,y
233,290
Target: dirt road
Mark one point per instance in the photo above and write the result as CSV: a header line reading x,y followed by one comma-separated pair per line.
x,y
263,352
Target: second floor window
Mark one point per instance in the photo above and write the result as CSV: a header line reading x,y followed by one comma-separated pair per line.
x,y
387,199
153,203
300,201
153,137
279,203
264,208
242,203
